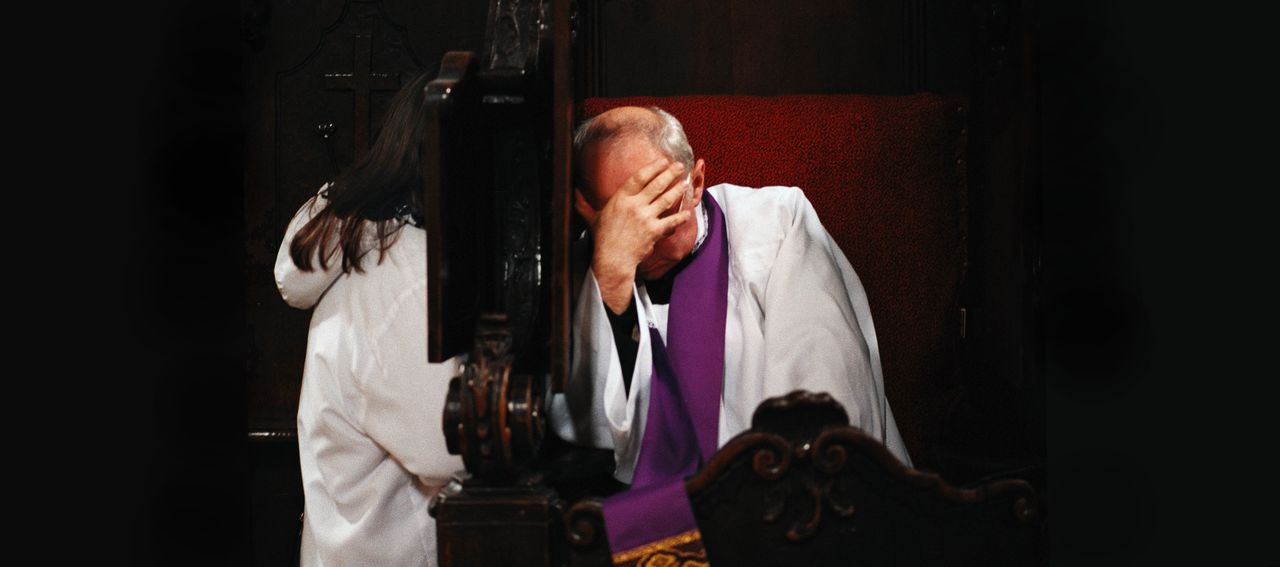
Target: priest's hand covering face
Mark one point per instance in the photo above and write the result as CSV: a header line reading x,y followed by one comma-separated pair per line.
x,y
639,203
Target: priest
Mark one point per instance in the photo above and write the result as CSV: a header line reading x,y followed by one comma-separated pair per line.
x,y
697,305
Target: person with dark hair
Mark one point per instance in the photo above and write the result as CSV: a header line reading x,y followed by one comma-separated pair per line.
x,y
370,436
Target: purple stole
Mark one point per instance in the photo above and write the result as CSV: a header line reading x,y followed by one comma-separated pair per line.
x,y
653,520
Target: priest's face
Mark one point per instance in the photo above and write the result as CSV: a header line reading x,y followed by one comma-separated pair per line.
x,y
607,166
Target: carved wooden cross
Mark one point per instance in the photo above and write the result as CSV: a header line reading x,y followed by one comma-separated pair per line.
x,y
362,82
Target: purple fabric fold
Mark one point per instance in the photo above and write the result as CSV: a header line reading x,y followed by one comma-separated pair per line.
x,y
695,330
682,423
646,514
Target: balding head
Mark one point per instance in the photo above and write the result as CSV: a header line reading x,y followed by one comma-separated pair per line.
x,y
630,125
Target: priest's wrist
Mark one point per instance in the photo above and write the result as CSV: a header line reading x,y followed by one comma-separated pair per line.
x,y
616,285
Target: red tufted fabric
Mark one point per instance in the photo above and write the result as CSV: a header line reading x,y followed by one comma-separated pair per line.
x,y
886,176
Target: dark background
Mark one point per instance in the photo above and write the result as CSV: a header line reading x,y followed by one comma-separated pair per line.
x,y
1156,137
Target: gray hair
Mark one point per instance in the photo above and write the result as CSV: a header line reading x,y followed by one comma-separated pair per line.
x,y
666,134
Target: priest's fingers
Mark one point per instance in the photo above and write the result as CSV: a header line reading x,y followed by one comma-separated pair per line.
x,y
662,181
670,196
669,224
581,205
643,176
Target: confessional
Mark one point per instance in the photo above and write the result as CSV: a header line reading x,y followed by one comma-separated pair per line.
x,y
888,176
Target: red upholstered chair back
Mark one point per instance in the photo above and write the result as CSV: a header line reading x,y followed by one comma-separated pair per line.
x,y
886,175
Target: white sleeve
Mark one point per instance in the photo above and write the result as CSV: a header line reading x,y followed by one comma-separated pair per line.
x,y
298,288
403,397
818,329
595,409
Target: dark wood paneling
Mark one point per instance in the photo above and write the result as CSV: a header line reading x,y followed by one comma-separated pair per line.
x,y
666,47
784,47
998,421
669,47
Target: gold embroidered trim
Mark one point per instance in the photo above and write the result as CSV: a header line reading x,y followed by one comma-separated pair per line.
x,y
651,548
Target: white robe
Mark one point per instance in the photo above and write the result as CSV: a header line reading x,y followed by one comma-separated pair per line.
x,y
797,318
370,437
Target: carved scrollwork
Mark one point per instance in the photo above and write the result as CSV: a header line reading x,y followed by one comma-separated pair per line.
x,y
514,30
817,494
799,416
584,522
772,458
798,530
829,457
526,426
837,486
803,445
775,503
812,477
819,485
833,448
507,36
493,418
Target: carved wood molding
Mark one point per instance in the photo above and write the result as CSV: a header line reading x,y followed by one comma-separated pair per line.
x,y
803,449
443,99
492,417
514,34
561,126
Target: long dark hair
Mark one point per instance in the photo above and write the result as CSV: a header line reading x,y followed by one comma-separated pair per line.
x,y
376,189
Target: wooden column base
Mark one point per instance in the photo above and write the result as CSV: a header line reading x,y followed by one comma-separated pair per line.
x,y
482,524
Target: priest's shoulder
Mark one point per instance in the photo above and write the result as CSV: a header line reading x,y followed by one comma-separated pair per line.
x,y
772,204
758,221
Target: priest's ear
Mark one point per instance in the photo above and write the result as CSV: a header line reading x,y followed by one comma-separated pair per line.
x,y
585,212
698,179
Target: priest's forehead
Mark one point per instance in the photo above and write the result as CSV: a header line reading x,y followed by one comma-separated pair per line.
x,y
607,164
